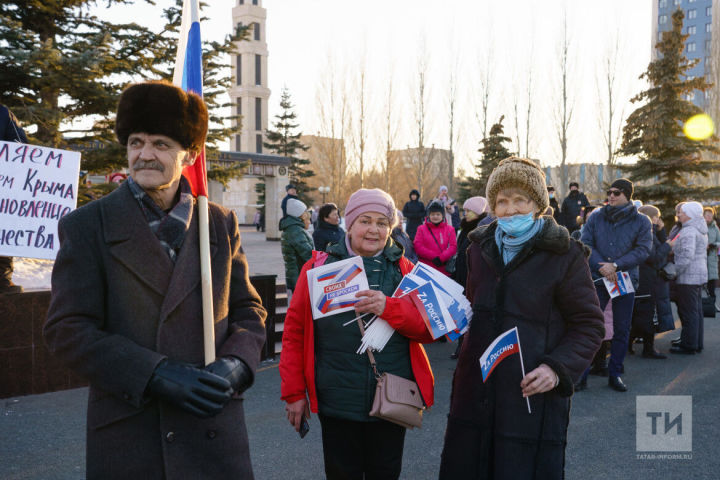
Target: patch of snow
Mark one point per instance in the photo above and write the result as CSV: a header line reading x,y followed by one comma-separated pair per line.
x,y
32,273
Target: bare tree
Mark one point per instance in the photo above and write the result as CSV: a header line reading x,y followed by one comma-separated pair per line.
x,y
608,119
516,120
330,154
391,159
360,133
452,100
485,70
565,104
422,160
528,115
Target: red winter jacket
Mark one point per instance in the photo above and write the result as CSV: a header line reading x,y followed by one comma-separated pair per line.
x,y
426,247
297,360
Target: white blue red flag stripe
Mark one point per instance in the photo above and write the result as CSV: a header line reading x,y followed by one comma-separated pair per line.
x,y
504,345
188,76
328,276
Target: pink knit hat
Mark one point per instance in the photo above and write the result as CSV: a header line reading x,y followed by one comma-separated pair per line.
x,y
476,204
369,200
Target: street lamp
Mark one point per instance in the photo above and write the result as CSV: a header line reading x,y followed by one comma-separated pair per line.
x,y
324,191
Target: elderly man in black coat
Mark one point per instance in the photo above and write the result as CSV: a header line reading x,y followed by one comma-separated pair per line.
x,y
524,272
126,308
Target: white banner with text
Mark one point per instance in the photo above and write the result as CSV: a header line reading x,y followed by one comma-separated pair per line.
x,y
38,186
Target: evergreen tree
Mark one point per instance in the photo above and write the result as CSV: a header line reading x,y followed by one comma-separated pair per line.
x,y
493,150
653,132
63,70
283,141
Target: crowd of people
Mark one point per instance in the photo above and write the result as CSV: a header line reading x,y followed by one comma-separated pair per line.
x,y
496,247
126,299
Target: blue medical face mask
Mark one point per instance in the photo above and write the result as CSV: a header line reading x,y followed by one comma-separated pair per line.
x,y
516,225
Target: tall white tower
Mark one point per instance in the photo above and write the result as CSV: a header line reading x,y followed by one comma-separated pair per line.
x,y
250,92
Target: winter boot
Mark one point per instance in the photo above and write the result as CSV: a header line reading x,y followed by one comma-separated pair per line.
x,y
649,348
599,365
6,271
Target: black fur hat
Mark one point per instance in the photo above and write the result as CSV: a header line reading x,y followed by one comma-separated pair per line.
x,y
160,108
435,207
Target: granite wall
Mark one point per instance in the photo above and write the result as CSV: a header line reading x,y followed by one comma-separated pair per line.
x,y
26,365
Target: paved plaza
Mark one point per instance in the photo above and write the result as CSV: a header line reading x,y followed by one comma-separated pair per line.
x,y
43,436
264,257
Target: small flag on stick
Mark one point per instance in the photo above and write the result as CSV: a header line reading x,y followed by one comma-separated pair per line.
x,y
502,347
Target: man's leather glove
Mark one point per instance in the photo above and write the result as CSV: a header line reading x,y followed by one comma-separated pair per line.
x,y
437,262
202,393
234,371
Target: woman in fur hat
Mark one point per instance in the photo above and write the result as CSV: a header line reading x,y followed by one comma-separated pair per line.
x,y
320,370
524,272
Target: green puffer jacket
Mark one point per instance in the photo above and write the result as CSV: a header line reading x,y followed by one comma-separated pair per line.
x,y
297,246
344,379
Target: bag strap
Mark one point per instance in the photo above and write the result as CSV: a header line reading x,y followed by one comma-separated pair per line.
x,y
373,364
436,242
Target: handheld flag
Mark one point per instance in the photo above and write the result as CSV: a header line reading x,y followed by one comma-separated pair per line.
x,y
622,286
502,347
188,76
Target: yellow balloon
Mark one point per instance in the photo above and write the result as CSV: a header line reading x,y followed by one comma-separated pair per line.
x,y
699,127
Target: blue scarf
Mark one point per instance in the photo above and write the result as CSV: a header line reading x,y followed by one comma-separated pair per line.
x,y
510,246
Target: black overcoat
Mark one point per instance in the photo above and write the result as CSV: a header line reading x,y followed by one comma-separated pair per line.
x,y
653,293
120,306
547,293
414,213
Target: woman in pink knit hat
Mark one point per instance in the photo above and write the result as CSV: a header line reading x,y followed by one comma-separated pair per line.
x,y
320,370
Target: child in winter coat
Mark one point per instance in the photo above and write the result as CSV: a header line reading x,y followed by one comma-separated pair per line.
x,y
435,241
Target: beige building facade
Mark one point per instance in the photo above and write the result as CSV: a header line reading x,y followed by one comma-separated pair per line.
x,y
250,92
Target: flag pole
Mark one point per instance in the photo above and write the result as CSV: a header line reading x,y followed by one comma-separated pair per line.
x,y
206,281
522,365
188,76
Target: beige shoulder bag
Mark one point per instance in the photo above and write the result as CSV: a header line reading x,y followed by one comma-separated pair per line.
x,y
397,399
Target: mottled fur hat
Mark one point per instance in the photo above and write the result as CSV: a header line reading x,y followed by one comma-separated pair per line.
x,y
160,108
520,173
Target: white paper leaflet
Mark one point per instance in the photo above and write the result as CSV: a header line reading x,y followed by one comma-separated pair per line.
x,y
440,301
333,287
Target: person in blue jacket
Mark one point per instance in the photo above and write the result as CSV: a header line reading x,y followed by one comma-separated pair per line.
x,y
10,131
620,239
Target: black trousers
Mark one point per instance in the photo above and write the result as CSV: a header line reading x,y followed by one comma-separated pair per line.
x,y
711,288
690,311
361,450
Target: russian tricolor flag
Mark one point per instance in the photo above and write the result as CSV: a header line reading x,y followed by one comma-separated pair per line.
x,y
505,345
188,76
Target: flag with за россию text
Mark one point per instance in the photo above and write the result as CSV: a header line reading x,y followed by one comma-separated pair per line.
x,y
504,345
